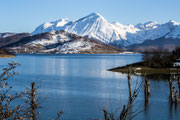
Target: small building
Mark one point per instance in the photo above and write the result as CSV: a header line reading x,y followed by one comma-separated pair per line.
x,y
177,63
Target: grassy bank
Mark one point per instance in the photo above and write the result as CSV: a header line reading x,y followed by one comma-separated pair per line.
x,y
140,69
6,55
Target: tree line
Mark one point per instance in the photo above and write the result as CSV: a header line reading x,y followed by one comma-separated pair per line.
x,y
159,58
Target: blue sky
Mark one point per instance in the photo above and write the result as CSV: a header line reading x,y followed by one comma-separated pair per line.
x,y
26,15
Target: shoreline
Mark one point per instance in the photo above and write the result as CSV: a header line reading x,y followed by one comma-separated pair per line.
x,y
6,56
77,54
141,70
41,53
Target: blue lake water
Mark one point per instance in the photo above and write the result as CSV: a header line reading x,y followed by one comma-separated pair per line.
x,y
81,86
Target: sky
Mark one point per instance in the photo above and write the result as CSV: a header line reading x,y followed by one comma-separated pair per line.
x,y
26,15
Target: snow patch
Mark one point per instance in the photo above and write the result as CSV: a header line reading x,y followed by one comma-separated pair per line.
x,y
75,47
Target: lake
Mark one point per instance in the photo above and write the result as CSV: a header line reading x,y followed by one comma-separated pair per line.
x,y
81,86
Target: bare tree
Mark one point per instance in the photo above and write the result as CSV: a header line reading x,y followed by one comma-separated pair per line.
x,y
125,109
6,98
29,101
146,91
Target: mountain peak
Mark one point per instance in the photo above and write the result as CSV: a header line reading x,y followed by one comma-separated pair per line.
x,y
51,26
151,23
60,22
62,19
95,14
173,22
147,25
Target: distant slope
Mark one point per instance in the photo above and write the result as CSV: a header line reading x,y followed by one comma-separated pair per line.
x,y
2,51
6,34
5,41
163,43
59,42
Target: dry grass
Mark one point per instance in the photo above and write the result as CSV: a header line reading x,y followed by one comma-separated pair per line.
x,y
6,55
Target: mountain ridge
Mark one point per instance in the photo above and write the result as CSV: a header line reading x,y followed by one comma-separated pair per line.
x,y
95,26
57,42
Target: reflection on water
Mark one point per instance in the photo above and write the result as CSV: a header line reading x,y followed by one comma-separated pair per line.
x,y
162,76
80,85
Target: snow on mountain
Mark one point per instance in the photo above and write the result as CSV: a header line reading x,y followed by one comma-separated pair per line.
x,y
150,31
97,27
148,25
175,30
75,47
167,30
93,26
51,26
175,33
53,39
60,42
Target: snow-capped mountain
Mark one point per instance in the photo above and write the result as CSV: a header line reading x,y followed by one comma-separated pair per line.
x,y
93,26
97,27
